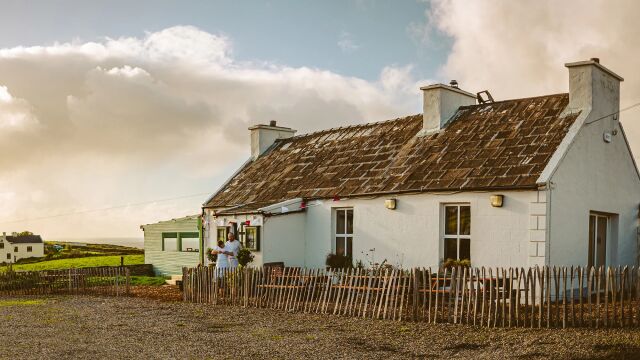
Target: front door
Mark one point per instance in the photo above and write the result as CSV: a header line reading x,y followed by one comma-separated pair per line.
x,y
598,234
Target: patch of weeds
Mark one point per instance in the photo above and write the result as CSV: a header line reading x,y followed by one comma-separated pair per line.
x,y
181,324
311,337
22,302
403,329
277,337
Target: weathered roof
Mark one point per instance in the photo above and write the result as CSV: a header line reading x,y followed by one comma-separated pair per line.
x,y
24,239
501,145
184,218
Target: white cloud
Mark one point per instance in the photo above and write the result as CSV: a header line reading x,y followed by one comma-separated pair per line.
x,y
130,119
347,43
517,48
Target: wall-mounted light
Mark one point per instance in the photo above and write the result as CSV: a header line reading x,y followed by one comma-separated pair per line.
x,y
497,200
390,204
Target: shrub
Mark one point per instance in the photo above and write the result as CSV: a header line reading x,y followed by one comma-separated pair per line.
x,y
337,261
244,257
212,257
452,263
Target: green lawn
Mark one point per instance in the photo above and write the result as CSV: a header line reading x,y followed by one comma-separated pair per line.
x,y
84,262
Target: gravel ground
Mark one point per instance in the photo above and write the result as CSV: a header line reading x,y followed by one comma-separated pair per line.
x,y
138,328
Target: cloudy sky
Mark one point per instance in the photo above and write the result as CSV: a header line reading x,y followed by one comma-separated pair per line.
x,y
124,113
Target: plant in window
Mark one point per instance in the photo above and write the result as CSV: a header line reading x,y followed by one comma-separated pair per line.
x,y
244,257
339,261
453,263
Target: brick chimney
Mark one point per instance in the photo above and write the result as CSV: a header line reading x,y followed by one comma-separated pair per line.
x,y
440,102
263,136
593,87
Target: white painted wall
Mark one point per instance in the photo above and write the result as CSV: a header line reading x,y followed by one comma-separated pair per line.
x,y
283,239
596,176
411,235
37,250
593,175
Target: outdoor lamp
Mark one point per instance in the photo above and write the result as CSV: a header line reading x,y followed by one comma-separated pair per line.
x,y
497,200
390,204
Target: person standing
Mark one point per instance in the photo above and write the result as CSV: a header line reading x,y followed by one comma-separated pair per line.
x,y
232,246
222,260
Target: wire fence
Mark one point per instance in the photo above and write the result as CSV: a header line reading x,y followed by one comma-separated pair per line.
x,y
538,297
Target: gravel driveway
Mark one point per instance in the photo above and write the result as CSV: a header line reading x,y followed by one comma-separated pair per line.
x,y
123,328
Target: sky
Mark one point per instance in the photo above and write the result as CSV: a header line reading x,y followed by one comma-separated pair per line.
x,y
127,113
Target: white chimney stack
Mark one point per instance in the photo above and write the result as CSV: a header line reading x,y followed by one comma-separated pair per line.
x,y
440,102
263,136
593,87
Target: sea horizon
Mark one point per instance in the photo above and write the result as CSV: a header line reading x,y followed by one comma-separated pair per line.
x,y
122,241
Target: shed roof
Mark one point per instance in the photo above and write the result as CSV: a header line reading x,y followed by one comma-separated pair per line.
x,y
500,145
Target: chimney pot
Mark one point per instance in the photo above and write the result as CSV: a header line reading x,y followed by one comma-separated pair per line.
x,y
272,123
454,83
596,60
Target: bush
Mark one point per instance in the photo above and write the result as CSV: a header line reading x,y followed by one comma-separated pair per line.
x,y
336,261
452,263
244,257
212,257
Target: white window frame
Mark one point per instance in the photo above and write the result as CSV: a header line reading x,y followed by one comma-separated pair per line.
x,y
345,235
457,236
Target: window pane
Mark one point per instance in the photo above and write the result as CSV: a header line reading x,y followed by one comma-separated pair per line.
x,y
340,250
465,220
350,221
190,244
170,244
450,249
222,234
465,249
251,238
340,215
451,220
592,240
350,246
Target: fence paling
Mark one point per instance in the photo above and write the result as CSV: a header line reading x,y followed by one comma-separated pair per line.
x,y
492,297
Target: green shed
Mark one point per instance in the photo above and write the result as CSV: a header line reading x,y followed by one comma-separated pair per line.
x,y
170,245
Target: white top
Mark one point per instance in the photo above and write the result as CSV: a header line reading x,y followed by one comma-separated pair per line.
x,y
223,260
233,247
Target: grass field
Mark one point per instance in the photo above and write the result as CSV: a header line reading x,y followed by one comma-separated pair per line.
x,y
82,262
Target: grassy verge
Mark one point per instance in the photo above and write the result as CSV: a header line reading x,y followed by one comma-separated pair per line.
x,y
21,302
84,262
147,280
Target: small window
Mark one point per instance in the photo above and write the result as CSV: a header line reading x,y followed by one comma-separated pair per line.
x,y
457,232
252,238
190,242
343,235
15,249
1,245
8,256
29,249
169,242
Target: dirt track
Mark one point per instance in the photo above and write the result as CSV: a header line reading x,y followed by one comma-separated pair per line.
x,y
94,327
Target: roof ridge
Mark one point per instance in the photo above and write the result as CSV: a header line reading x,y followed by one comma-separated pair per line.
x,y
516,99
315,133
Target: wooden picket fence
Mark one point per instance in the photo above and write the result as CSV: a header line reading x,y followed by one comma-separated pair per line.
x,y
492,297
92,281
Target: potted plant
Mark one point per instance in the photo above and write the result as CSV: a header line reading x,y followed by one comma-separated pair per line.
x,y
244,257
211,257
338,261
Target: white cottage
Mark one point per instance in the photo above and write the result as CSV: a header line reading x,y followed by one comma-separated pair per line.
x,y
15,247
524,182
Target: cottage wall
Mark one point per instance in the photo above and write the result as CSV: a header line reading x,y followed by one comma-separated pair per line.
x,y
411,235
37,250
594,176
